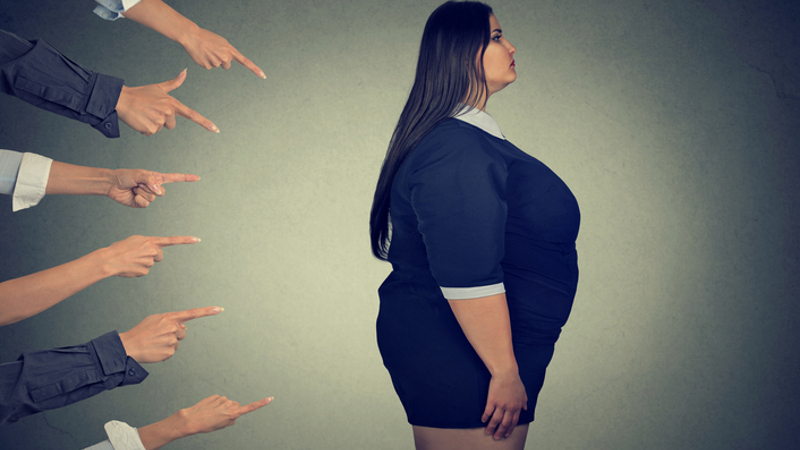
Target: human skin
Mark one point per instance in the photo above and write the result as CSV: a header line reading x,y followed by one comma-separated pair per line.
x,y
135,188
206,48
27,296
210,414
499,67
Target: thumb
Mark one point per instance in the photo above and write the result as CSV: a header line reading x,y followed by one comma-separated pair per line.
x,y
175,82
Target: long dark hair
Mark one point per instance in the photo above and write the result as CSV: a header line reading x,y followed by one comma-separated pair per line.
x,y
448,73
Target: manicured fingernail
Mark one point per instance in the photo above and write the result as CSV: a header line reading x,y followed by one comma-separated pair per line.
x,y
157,189
195,240
218,309
214,128
262,75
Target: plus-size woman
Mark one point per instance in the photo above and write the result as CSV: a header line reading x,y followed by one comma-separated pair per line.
x,y
481,237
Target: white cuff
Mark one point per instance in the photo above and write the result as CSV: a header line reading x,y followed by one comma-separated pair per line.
x,y
467,293
113,9
31,181
123,436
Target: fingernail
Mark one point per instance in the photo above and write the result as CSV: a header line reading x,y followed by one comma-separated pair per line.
x,y
214,128
218,309
157,189
262,75
195,240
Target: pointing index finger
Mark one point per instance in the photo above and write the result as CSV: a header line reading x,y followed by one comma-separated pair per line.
x,y
177,177
175,240
241,59
184,111
189,314
254,406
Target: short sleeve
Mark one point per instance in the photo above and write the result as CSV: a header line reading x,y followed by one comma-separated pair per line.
x,y
457,189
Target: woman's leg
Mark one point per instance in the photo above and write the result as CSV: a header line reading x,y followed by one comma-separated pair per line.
x,y
467,439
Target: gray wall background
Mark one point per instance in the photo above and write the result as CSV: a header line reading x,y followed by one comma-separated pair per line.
x,y
676,124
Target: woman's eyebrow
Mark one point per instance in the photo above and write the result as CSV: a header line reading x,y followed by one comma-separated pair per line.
x,y
497,30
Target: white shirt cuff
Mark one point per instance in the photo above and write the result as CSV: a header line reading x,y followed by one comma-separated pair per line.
x,y
113,9
468,293
123,436
31,181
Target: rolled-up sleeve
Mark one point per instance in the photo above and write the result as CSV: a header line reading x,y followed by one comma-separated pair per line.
x,y
50,379
24,176
36,73
121,436
113,9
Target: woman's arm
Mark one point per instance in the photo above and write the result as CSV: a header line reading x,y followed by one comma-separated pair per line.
x,y
486,323
210,414
207,49
130,187
27,296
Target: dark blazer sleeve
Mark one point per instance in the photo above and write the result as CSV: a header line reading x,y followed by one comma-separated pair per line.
x,y
37,73
50,379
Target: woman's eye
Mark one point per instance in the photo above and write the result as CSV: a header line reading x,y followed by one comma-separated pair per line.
x,y
497,38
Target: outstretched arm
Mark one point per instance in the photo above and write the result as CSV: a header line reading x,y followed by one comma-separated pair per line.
x,y
27,296
206,48
130,187
486,323
210,414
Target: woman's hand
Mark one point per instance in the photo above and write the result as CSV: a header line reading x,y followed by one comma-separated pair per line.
x,y
211,414
507,397
215,413
134,256
137,188
156,338
209,50
148,109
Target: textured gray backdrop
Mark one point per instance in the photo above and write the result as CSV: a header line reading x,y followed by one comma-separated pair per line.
x,y
676,124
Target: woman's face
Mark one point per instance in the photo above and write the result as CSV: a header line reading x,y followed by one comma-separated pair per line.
x,y
498,60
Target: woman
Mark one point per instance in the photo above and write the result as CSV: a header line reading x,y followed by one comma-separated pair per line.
x,y
481,237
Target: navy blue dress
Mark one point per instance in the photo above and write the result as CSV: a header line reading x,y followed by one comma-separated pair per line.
x,y
471,216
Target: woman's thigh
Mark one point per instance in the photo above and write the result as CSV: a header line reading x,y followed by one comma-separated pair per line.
x,y
467,439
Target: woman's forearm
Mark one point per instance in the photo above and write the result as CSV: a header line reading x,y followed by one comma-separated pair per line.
x,y
160,17
27,296
161,433
486,323
69,179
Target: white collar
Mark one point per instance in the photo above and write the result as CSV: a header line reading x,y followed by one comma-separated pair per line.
x,y
480,119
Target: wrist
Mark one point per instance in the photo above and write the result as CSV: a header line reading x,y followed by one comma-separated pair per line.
x,y
127,344
100,260
505,369
161,433
182,424
186,33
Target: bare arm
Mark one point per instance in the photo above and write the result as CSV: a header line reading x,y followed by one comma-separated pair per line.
x,y
206,48
210,414
486,323
27,296
131,187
